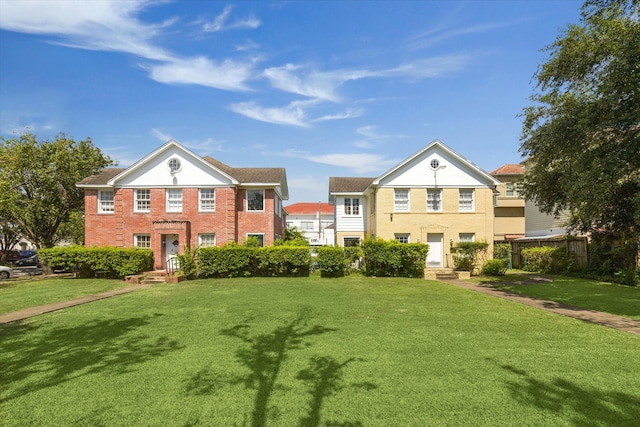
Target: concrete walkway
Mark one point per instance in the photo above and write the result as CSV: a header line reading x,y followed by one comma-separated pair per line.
x,y
47,308
604,319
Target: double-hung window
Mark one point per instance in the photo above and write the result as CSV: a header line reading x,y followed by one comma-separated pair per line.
x,y
351,206
142,241
207,240
174,200
207,202
142,201
434,200
105,201
465,200
401,200
255,200
307,225
467,237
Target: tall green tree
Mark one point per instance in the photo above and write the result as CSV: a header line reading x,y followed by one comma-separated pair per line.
x,y
37,178
582,133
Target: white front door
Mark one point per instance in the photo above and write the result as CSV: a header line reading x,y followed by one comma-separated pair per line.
x,y
171,246
435,255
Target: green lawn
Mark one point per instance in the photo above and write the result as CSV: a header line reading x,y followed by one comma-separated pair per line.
x,y
591,294
315,352
16,295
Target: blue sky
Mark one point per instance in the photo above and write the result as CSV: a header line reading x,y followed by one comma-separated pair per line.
x,y
322,88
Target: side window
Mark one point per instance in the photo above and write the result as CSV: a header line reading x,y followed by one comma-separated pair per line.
x,y
255,200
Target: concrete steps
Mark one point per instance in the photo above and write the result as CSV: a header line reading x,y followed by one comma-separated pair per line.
x,y
153,277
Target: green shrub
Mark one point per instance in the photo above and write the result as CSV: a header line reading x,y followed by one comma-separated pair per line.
x,y
189,262
332,261
502,251
394,259
107,262
538,260
467,255
494,267
227,261
283,260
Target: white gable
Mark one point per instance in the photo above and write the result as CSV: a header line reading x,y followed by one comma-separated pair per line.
x,y
154,171
453,171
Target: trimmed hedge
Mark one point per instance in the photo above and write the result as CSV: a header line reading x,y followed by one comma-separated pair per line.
x,y
468,255
332,261
244,261
394,259
495,267
105,262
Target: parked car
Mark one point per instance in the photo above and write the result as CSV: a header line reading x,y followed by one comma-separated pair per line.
x,y
31,261
10,256
26,254
5,272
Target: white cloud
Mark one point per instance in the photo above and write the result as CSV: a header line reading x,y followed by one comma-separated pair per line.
x,y
360,163
323,85
348,114
99,25
164,137
226,75
293,114
220,22
436,35
208,144
113,26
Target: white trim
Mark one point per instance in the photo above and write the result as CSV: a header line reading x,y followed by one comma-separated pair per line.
x,y
135,200
100,202
395,200
135,240
175,207
200,200
461,200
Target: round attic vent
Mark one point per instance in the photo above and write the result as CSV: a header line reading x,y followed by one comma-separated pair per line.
x,y
435,164
174,165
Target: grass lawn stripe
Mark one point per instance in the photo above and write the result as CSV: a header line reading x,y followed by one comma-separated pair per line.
x,y
352,351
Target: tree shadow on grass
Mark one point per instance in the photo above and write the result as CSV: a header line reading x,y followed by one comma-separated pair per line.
x,y
264,355
590,406
31,360
324,378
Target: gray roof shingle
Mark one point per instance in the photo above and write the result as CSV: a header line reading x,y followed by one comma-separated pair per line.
x,y
348,184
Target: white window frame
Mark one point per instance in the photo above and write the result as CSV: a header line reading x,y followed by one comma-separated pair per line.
x,y
139,200
402,237
206,204
401,199
308,225
432,200
510,189
260,237
142,241
106,206
207,240
466,204
467,237
248,199
173,200
352,206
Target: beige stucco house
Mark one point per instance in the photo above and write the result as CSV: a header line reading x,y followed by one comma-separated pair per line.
x,y
509,205
435,196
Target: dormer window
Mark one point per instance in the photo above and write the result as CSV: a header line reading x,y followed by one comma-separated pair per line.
x,y
174,165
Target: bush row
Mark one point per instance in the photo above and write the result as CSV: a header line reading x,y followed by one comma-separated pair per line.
x,y
394,259
244,261
107,262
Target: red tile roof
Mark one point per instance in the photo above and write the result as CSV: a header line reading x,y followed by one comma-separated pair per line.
x,y
309,208
509,169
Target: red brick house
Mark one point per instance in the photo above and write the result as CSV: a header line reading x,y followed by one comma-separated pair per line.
x,y
173,198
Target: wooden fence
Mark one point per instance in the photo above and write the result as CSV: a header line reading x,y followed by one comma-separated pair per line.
x,y
575,246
